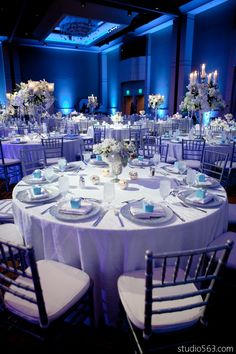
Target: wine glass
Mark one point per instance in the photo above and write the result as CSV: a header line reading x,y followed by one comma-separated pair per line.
x,y
165,188
181,167
108,192
190,177
49,175
62,164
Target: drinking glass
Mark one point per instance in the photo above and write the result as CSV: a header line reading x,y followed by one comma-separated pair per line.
x,y
63,184
165,188
181,167
108,192
191,176
62,164
86,157
156,159
49,175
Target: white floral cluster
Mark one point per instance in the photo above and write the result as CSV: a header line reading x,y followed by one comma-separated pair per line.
x,y
154,101
112,147
202,96
229,117
219,123
92,101
116,118
32,93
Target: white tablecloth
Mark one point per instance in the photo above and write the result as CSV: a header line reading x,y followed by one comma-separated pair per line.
x,y
108,250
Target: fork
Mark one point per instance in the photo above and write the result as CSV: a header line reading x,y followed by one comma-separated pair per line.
x,y
117,213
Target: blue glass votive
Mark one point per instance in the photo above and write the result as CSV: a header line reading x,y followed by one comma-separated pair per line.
x,y
200,193
37,190
98,157
37,174
75,203
140,158
148,207
201,178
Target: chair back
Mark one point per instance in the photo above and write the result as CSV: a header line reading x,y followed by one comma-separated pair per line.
x,y
200,267
32,159
1,154
193,149
233,155
97,135
20,277
53,147
152,145
214,164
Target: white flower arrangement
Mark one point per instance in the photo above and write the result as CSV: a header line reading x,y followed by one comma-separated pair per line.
x,y
229,117
92,102
177,115
111,149
32,93
154,101
117,118
220,123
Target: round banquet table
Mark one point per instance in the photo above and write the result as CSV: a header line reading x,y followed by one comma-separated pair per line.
x,y
108,250
70,148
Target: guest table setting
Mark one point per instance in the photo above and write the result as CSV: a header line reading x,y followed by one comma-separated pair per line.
x,y
77,213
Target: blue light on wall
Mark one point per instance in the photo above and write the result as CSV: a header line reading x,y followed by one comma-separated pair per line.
x,y
127,92
140,91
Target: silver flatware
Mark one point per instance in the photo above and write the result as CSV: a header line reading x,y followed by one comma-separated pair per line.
x,y
117,213
102,214
192,207
176,214
45,210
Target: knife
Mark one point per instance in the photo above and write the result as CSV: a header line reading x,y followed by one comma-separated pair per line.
x,y
96,222
176,214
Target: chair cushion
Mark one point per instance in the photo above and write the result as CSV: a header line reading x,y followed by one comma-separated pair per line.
x,y
62,287
6,214
192,163
10,162
232,213
131,287
10,233
223,238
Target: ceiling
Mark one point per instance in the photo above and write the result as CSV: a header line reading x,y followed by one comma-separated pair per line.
x,y
89,24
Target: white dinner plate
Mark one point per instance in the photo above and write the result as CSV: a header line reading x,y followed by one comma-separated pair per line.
x,y
213,203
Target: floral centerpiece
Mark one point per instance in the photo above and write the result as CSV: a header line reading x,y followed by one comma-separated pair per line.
x,y
117,117
31,95
154,101
92,102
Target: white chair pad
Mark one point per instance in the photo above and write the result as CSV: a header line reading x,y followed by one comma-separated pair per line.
x,y
10,162
192,163
62,287
6,210
131,287
10,233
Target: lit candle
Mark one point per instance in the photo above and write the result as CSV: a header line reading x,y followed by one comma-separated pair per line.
x,y
191,78
215,77
8,95
195,77
203,74
209,78
51,87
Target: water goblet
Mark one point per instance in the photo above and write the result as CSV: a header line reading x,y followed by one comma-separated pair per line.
x,y
62,164
190,177
108,192
86,157
63,184
165,188
156,159
181,167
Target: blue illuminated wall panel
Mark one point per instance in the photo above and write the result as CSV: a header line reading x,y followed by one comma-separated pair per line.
x,y
161,57
75,74
214,43
113,81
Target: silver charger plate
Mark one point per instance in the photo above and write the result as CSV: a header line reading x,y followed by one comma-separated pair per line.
x,y
69,167
125,211
214,183
54,211
98,163
23,196
30,180
171,169
215,202
147,163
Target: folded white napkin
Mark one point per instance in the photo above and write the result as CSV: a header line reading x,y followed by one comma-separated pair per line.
x,y
33,179
192,198
84,209
136,210
44,194
207,182
140,162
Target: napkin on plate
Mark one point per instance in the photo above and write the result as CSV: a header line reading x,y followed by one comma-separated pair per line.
x,y
33,179
44,194
84,209
136,210
192,198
